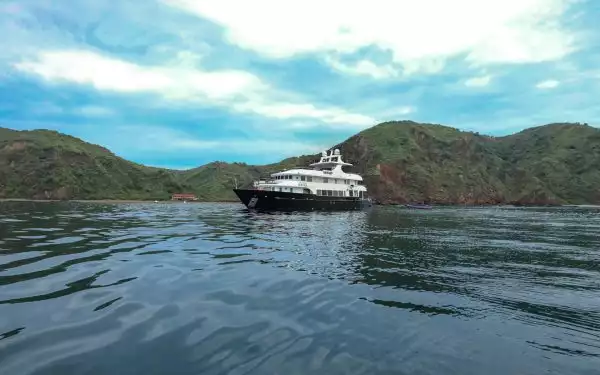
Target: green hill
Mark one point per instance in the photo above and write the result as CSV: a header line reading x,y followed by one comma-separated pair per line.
x,y
408,162
45,164
400,161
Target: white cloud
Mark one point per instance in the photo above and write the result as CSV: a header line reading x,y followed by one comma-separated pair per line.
x,y
10,8
548,84
93,111
404,110
234,89
363,67
158,139
421,35
286,111
478,81
47,108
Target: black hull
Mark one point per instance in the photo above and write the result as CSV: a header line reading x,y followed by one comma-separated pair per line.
x,y
262,200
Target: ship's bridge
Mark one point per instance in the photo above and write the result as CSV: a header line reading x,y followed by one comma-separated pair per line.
x,y
331,160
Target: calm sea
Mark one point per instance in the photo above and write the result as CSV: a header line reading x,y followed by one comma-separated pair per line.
x,y
214,289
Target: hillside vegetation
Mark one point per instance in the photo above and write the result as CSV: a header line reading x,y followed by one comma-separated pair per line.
x,y
400,161
44,164
407,162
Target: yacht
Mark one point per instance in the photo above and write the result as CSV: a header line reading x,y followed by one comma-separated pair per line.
x,y
323,186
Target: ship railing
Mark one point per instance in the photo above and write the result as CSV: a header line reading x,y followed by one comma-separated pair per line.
x,y
262,182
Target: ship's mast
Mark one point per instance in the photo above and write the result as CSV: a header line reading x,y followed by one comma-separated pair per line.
x,y
331,159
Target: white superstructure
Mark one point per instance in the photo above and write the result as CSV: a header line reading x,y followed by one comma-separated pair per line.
x,y
326,178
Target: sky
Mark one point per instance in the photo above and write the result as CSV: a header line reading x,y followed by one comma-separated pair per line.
x,y
180,83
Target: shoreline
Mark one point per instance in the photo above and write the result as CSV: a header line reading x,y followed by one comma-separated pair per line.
x,y
103,201
130,201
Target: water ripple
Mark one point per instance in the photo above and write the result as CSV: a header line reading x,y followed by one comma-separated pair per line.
x,y
215,289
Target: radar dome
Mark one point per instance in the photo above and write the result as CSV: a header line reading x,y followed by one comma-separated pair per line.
x,y
336,152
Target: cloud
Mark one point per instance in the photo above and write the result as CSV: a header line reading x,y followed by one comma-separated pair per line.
x,y
106,73
548,84
233,89
363,67
10,8
478,81
285,111
165,140
93,111
420,35
48,108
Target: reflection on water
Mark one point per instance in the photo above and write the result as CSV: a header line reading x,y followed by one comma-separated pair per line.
x,y
215,289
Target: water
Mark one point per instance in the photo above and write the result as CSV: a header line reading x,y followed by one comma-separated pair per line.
x,y
213,289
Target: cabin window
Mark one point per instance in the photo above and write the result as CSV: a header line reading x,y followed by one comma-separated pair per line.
x,y
335,181
318,192
308,178
326,180
329,193
334,159
302,178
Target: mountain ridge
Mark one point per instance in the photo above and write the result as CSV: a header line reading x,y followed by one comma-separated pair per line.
x,y
401,161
